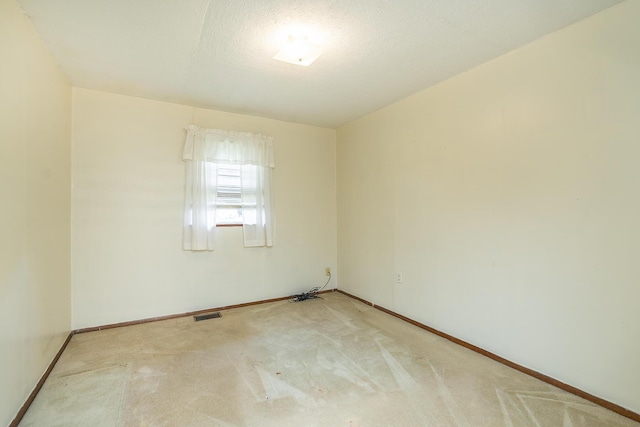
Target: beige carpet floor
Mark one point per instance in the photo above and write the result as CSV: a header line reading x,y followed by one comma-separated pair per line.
x,y
329,362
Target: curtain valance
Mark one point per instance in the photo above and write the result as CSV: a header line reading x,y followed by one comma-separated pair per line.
x,y
228,147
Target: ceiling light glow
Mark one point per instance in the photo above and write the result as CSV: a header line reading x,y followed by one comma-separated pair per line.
x,y
298,50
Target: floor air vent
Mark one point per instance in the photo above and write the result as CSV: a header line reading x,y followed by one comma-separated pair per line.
x,y
206,316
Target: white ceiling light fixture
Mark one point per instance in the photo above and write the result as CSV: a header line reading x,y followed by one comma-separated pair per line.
x,y
298,50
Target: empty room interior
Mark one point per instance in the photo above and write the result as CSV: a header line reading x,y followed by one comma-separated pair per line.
x,y
404,213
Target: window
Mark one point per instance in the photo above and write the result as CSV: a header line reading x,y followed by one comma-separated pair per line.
x,y
233,193
228,182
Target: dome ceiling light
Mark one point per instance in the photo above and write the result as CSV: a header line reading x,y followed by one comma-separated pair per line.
x,y
298,50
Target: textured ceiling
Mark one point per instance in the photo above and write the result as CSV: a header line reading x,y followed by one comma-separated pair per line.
x,y
218,53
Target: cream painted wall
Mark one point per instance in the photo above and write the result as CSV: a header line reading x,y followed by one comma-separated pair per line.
x,y
508,199
128,180
35,142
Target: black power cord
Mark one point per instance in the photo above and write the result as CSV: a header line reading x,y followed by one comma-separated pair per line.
x,y
312,294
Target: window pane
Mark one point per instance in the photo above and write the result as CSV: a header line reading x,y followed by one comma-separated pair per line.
x,y
227,215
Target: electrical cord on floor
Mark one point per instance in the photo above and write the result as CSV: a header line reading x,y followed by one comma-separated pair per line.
x,y
312,294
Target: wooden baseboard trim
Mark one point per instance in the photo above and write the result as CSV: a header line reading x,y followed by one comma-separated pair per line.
x,y
566,387
36,389
187,314
542,377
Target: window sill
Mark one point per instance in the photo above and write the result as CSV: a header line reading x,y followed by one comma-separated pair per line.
x,y
228,225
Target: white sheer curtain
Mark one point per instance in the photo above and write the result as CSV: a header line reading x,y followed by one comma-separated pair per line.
x,y
204,149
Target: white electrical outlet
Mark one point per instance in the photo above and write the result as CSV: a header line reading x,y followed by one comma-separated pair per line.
x,y
327,271
398,277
